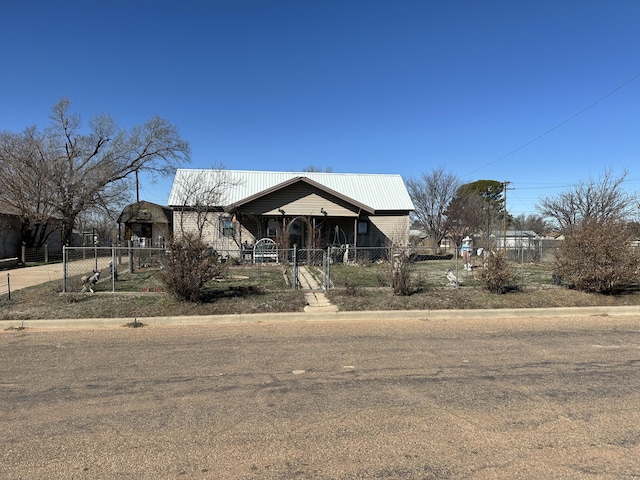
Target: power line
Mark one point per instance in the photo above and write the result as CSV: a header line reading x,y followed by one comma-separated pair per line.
x,y
622,85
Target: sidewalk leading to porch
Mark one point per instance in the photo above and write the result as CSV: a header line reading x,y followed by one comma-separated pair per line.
x,y
316,299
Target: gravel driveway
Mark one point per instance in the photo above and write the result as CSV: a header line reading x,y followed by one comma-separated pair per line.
x,y
442,399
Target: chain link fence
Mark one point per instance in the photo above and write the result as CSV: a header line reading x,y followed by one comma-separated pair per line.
x,y
331,267
81,263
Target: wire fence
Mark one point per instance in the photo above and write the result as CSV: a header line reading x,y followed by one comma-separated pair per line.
x,y
43,254
331,267
80,264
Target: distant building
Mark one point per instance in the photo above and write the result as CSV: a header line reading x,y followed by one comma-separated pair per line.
x,y
517,239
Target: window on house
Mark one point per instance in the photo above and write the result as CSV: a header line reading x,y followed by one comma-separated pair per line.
x,y
363,227
227,227
272,229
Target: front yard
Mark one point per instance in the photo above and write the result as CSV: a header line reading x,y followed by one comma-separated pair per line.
x,y
251,288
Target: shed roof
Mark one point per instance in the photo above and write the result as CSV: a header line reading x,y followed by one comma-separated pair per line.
x,y
377,191
144,211
520,233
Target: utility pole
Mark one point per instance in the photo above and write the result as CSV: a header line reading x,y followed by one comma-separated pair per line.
x,y
504,216
137,188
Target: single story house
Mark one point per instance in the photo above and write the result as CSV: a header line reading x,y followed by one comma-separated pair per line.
x,y
233,208
517,239
145,224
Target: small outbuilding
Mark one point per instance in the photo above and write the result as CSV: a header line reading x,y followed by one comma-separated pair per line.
x,y
145,224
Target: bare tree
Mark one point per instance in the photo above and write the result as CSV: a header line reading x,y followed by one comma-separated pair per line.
x,y
597,254
465,215
202,195
600,200
315,168
61,171
26,185
536,223
101,222
431,195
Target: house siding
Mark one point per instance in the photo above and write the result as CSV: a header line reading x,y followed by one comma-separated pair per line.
x,y
300,200
212,233
389,228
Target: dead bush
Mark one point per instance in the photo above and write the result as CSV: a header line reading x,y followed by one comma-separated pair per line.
x,y
401,276
497,273
597,256
351,289
188,266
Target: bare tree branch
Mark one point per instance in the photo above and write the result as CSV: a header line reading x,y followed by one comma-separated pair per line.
x,y
61,171
202,195
431,195
598,200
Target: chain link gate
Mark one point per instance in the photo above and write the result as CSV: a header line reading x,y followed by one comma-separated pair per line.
x,y
318,260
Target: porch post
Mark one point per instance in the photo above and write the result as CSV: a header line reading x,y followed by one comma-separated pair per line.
x,y
355,234
239,232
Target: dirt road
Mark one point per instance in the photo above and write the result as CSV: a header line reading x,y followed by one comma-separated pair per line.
x,y
479,399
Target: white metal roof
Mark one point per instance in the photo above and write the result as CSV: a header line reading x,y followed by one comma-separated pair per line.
x,y
378,191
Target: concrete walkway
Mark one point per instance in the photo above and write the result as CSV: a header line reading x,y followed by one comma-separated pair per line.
x,y
317,301
20,278
24,277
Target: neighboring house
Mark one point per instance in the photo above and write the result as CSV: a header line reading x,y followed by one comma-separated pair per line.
x,y
306,209
518,239
10,232
145,224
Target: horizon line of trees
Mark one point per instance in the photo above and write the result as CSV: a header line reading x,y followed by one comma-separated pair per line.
x,y
447,208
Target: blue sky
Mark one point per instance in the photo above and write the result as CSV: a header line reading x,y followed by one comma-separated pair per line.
x,y
359,86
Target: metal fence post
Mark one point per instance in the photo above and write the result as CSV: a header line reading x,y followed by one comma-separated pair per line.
x,y
327,273
295,267
64,269
130,251
114,270
8,286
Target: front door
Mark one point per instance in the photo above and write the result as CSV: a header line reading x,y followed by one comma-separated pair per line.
x,y
296,234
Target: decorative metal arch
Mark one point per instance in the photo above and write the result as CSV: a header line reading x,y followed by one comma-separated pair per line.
x,y
286,234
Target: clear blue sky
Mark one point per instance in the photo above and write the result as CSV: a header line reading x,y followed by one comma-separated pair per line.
x,y
360,86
